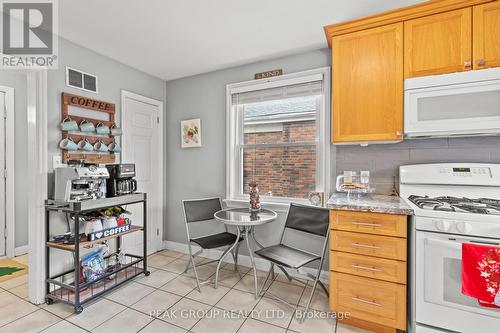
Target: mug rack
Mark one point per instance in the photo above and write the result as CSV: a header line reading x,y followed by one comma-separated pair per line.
x,y
82,102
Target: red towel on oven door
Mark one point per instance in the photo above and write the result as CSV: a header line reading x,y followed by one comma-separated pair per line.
x,y
481,273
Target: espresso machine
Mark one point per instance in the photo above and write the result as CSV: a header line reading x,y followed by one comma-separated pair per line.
x,y
120,181
80,182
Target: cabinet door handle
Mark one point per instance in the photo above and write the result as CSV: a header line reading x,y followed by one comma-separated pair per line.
x,y
367,224
399,133
481,62
357,299
366,268
365,246
467,63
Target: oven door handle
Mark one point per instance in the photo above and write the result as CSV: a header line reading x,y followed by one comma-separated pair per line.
x,y
456,244
450,243
485,243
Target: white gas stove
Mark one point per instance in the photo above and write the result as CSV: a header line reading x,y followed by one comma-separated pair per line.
x,y
453,203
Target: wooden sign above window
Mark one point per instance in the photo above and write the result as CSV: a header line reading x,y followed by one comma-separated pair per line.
x,y
265,75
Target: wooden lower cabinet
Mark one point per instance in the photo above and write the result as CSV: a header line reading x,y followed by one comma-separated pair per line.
x,y
369,245
376,268
372,300
368,269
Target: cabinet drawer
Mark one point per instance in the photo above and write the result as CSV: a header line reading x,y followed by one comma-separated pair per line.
x,y
370,245
377,268
370,223
375,301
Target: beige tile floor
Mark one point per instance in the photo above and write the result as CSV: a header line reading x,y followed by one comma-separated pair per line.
x,y
168,301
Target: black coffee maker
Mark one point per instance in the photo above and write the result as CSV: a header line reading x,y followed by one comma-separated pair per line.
x,y
120,181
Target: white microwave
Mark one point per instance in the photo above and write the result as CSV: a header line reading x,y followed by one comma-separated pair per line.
x,y
465,103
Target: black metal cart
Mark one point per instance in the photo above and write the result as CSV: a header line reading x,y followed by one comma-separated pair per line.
x,y
64,287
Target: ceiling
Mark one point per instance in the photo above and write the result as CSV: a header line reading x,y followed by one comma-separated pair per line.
x,y
176,38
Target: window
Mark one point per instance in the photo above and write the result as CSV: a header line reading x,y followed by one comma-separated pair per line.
x,y
277,136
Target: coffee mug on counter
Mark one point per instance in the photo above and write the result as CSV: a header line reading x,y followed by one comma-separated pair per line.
x,y
114,147
69,124
102,129
68,144
87,126
100,146
116,131
85,145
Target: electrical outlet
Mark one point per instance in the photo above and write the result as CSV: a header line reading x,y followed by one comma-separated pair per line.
x,y
57,161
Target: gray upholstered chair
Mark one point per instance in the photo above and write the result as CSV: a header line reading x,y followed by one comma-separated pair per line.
x,y
305,219
202,210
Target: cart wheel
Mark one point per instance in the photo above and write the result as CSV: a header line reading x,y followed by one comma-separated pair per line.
x,y
147,273
78,310
49,301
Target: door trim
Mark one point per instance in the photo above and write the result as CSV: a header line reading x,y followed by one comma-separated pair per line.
x,y
159,104
10,169
37,176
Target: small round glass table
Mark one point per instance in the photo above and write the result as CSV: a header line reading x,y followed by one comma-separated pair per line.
x,y
245,222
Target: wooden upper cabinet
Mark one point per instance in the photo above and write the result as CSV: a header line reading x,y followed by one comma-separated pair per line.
x,y
486,41
439,43
367,71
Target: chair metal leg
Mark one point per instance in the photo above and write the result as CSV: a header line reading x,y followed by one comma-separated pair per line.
x,y
271,269
189,262
194,267
285,273
325,289
316,280
223,256
310,299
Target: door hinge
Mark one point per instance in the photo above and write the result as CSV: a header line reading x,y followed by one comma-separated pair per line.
x,y
5,173
5,111
158,119
157,232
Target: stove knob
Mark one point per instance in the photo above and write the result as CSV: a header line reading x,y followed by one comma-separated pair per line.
x,y
442,225
464,227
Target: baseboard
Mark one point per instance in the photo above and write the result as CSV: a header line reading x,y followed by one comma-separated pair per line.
x,y
243,260
19,251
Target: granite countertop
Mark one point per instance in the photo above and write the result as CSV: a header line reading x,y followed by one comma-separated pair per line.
x,y
376,203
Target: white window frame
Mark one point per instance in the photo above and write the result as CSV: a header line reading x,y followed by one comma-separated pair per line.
x,y
233,131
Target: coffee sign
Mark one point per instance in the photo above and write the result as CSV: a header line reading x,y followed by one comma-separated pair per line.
x,y
87,103
265,75
108,232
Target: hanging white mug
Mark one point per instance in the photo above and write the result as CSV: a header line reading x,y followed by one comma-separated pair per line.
x,y
116,131
114,147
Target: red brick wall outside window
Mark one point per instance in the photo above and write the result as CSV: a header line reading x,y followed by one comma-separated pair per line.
x,y
284,171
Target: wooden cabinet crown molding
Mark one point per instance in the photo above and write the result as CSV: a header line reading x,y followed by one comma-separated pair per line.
x,y
397,15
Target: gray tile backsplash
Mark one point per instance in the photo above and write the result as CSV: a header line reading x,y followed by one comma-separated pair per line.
x,y
383,160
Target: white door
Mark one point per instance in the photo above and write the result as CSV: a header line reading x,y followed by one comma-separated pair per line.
x,y
2,176
141,144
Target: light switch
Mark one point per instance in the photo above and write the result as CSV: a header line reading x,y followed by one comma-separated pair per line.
x,y
57,161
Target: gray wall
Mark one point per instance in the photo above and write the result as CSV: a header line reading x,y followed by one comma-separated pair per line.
x,y
113,77
18,81
200,172
383,160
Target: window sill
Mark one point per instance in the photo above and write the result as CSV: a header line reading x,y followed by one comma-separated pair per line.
x,y
280,207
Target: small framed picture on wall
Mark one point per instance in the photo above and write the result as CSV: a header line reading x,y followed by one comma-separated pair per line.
x,y
191,133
